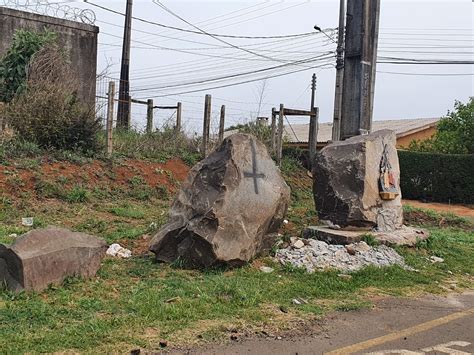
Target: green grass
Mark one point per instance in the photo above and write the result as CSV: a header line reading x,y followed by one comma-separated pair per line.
x,y
136,302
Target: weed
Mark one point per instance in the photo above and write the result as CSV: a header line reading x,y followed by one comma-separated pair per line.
x,y
128,212
370,240
76,194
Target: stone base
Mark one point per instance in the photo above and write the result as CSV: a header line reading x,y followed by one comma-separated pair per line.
x,y
402,236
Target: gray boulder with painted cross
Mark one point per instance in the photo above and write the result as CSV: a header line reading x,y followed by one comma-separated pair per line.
x,y
228,208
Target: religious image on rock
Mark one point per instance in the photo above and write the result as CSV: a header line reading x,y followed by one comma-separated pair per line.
x,y
387,184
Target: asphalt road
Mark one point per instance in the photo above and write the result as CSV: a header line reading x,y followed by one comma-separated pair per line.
x,y
431,325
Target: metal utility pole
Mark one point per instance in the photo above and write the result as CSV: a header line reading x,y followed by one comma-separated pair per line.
x,y
123,113
336,124
360,59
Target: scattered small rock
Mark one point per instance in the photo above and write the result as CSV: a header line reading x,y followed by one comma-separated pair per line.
x,y
345,276
173,300
13,235
299,301
283,309
319,255
279,338
118,251
350,249
436,259
266,269
298,244
27,221
285,221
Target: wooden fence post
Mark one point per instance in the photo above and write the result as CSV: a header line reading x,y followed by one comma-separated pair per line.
x,y
110,117
206,124
178,117
221,124
274,137
280,135
149,116
313,134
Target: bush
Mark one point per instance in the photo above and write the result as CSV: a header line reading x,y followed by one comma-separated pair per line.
x,y
14,64
437,177
48,112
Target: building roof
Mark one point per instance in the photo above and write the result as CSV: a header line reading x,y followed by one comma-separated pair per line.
x,y
298,133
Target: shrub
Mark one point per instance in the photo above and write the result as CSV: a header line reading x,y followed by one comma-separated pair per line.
x,y
437,177
14,64
48,112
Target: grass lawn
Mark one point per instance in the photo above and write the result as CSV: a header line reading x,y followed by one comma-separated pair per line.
x,y
137,302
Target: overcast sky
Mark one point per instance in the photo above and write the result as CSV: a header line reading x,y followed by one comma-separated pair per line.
x,y
434,30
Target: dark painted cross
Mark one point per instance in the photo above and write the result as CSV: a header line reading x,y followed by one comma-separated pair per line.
x,y
254,174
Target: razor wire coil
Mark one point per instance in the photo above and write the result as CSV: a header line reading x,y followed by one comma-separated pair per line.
x,y
53,9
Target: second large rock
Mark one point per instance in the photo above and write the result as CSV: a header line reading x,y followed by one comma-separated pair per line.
x,y
227,207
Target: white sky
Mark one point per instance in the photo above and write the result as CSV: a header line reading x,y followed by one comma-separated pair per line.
x,y
408,29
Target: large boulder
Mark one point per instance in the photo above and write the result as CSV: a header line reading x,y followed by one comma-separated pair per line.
x,y
347,182
227,207
47,256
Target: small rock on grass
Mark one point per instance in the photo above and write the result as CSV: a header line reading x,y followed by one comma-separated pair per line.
x,y
345,276
266,269
436,259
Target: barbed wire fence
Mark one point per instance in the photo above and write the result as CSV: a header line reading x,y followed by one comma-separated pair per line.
x,y
54,9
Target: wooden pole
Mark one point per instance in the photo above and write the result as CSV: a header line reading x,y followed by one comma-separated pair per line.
x,y
280,135
178,117
359,67
110,117
221,124
313,123
274,137
149,116
206,124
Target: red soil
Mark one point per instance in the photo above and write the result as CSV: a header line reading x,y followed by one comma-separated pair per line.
x,y
15,179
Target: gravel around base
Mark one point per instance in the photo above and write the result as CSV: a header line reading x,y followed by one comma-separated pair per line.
x,y
318,255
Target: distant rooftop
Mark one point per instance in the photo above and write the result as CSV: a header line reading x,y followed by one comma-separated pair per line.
x,y
298,133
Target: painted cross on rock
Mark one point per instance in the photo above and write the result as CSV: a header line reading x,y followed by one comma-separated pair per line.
x,y
254,174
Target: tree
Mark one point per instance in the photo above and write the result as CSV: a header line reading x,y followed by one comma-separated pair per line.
x,y
454,133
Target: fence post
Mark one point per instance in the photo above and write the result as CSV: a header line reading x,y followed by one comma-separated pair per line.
x,y
149,116
110,117
178,117
274,130
280,135
313,134
206,124
221,124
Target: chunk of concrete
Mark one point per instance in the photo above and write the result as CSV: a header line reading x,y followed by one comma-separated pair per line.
x,y
403,236
346,182
225,211
47,256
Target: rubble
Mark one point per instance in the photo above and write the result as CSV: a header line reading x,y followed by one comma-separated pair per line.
x,y
318,255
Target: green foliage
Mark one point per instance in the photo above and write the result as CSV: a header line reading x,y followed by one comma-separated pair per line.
x,y
370,240
261,131
76,194
161,145
14,64
454,133
437,177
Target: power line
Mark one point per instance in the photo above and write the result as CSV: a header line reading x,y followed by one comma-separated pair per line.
x,y
197,32
425,74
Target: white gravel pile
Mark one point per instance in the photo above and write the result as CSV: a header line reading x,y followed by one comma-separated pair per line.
x,y
317,255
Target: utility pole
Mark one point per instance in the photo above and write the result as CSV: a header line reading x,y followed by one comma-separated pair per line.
x,y
149,116
360,59
313,123
123,113
178,117
336,124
